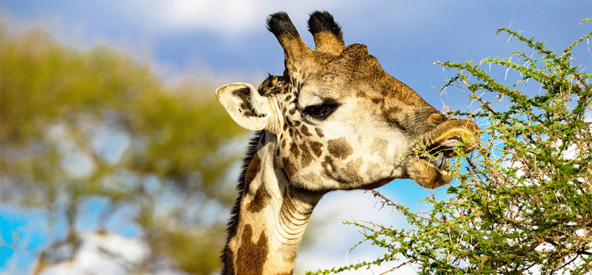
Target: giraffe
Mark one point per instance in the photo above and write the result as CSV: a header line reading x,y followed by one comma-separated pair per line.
x,y
335,120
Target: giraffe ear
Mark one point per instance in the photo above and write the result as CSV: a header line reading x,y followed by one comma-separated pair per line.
x,y
246,106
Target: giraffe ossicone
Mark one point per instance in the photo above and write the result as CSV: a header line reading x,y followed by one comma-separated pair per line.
x,y
334,120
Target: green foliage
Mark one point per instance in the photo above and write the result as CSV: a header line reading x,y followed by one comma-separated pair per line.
x,y
524,201
80,125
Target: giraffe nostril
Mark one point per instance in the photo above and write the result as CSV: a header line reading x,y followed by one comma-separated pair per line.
x,y
436,118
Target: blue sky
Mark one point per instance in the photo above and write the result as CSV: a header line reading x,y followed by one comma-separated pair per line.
x,y
226,40
406,36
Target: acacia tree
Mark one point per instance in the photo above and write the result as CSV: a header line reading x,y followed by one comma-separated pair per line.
x,y
97,127
523,203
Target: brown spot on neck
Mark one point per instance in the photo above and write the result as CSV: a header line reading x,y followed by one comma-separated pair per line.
x,y
251,255
340,148
260,200
228,254
253,169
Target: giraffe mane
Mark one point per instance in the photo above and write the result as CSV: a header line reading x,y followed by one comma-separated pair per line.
x,y
231,226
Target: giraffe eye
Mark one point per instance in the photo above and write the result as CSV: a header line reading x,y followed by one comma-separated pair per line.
x,y
321,111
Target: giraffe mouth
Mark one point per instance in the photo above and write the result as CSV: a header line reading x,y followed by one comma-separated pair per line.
x,y
429,165
438,155
430,169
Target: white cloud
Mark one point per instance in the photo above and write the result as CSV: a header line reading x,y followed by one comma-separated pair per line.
x,y
222,15
103,254
225,16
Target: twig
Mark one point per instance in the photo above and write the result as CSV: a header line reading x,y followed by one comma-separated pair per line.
x,y
396,267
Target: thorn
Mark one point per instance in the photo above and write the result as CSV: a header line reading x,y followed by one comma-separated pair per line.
x,y
509,27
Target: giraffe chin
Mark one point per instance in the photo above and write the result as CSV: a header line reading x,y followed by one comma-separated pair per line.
x,y
426,174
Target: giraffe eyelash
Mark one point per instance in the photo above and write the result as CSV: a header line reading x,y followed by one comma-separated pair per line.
x,y
321,111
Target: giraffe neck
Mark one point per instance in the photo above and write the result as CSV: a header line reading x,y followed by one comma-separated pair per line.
x,y
270,216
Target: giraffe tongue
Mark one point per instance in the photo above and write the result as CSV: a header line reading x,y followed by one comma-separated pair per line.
x,y
449,143
443,150
439,162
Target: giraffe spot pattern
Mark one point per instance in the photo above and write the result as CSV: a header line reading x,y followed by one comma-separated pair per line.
x,y
260,200
253,169
377,100
288,166
306,155
294,150
252,255
319,132
350,171
316,148
262,197
305,131
339,148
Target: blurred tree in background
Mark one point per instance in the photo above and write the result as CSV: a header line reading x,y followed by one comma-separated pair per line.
x,y
96,126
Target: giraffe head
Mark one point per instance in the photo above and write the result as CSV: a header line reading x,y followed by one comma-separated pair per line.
x,y
342,122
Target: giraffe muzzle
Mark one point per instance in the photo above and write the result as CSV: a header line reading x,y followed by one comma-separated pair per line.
x,y
427,165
